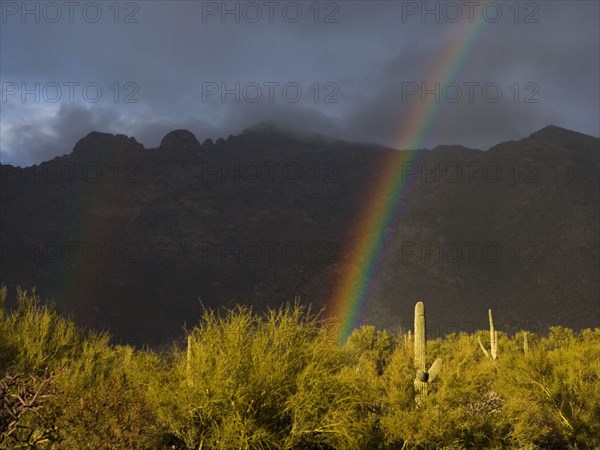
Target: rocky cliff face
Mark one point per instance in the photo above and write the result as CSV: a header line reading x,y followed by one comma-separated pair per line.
x,y
129,238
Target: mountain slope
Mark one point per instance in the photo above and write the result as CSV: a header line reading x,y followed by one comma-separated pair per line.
x,y
129,238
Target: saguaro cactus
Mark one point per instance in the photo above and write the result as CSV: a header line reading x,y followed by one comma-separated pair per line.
x,y
493,353
188,362
420,338
408,338
424,377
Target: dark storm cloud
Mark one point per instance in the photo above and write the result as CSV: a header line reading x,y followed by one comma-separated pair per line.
x,y
45,137
156,74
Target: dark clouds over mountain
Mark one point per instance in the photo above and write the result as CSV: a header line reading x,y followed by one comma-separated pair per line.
x,y
366,55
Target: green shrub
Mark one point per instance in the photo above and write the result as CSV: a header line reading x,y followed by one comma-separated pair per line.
x,y
260,382
553,395
282,381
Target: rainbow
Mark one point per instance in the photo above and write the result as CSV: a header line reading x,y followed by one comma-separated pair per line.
x,y
382,204
76,289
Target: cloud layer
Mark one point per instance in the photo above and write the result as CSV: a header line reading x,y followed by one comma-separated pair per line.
x,y
344,69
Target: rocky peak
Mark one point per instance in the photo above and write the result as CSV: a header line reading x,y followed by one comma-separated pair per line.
x,y
100,145
563,136
179,140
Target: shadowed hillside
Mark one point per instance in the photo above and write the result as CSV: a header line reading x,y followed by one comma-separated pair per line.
x,y
129,238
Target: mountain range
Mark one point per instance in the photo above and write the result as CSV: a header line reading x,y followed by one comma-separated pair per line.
x,y
138,241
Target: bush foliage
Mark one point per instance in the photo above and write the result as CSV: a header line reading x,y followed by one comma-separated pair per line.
x,y
282,381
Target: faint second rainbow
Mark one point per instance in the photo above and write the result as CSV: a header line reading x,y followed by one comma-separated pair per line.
x,y
381,207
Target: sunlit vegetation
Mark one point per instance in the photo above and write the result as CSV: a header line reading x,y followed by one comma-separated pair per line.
x,y
281,380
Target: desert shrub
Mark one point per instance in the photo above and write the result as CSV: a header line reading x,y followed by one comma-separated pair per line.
x,y
96,402
39,338
282,381
8,347
461,410
374,345
553,394
398,401
110,415
261,382
102,405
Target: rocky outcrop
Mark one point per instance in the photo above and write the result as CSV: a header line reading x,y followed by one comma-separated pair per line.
x,y
180,141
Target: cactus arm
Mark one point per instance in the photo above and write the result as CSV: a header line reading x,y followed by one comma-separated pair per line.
x,y
434,370
493,337
493,353
482,347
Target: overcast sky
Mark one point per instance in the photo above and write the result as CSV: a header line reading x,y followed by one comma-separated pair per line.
x,y
347,69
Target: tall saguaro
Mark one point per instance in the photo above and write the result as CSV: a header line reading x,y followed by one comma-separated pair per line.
x,y
424,377
420,336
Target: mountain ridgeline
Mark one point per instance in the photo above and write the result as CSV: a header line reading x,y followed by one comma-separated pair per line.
x,y
138,241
